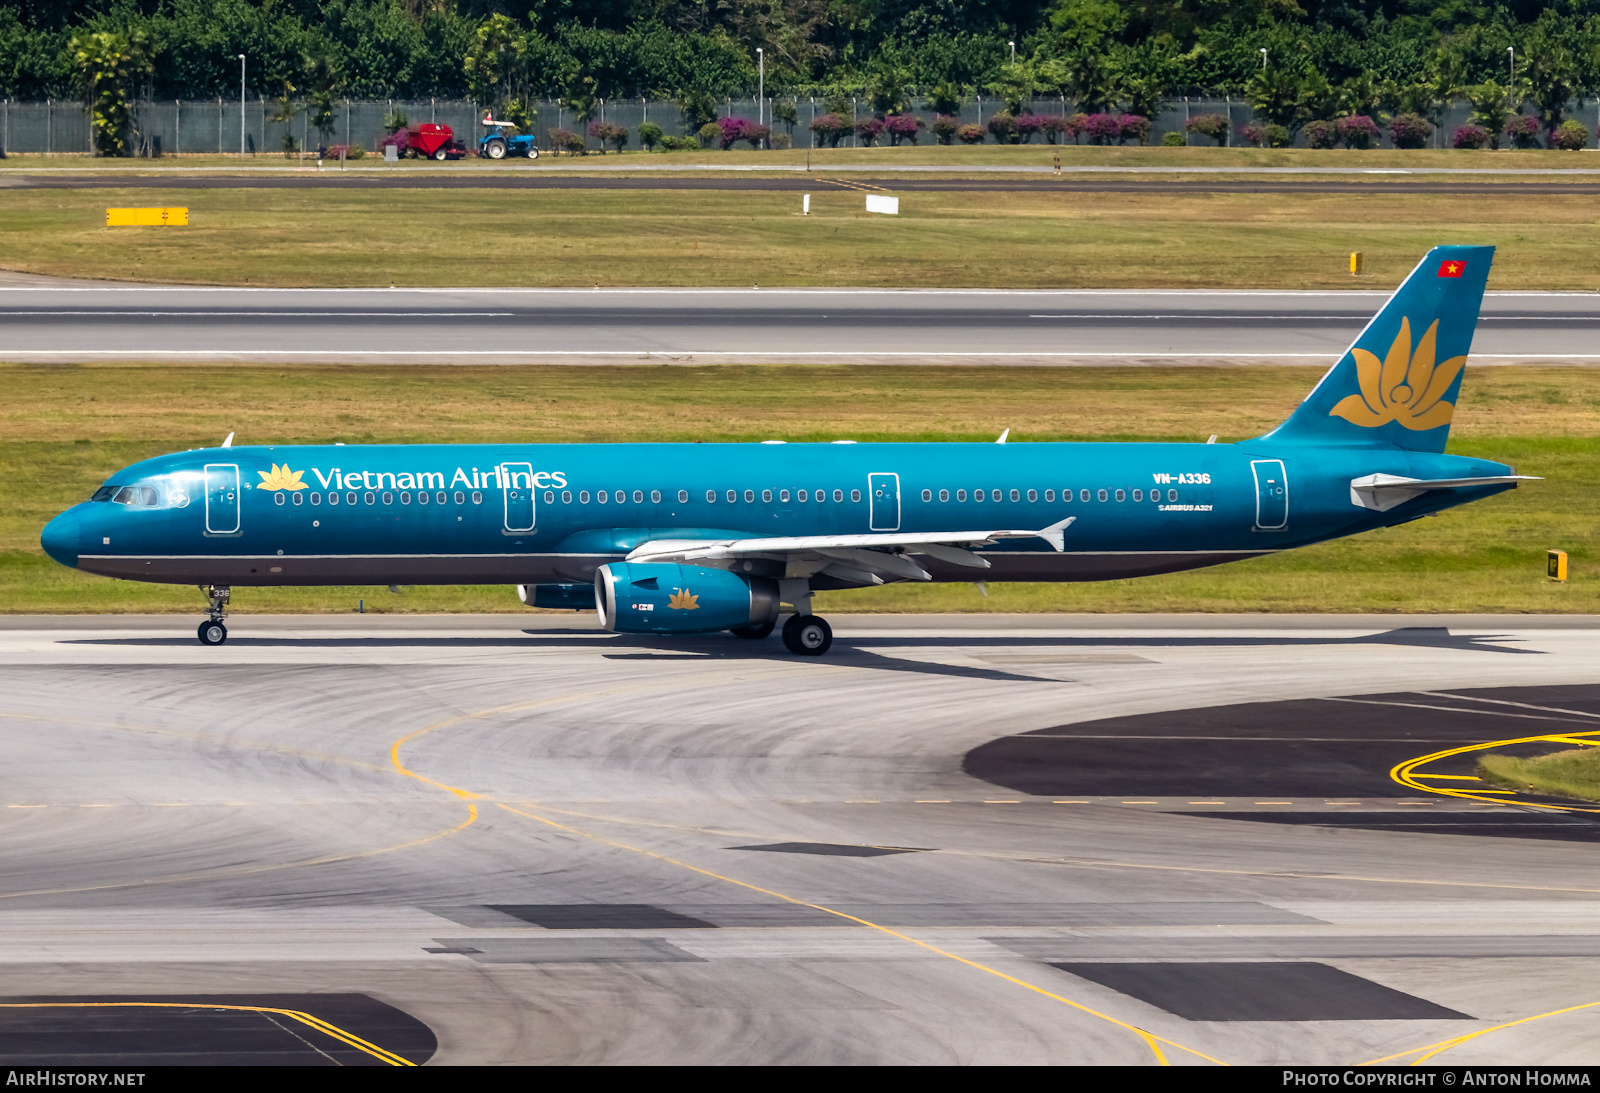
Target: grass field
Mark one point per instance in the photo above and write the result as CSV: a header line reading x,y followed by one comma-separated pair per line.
x,y
1573,773
655,237
64,429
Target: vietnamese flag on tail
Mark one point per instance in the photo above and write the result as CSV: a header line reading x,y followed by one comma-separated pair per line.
x,y
1452,269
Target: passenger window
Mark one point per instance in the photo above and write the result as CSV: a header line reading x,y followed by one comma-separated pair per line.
x,y
711,497
1103,495
405,497
460,498
1049,495
1138,495
749,497
961,495
766,497
371,497
316,499
583,497
1172,495
855,495
440,497
802,495
601,496
783,495
944,495
655,497
388,498
299,498
422,498
927,495
1122,495
838,495
1033,495
638,497
333,499
477,497
977,495
350,499
733,495
566,497
1083,495
1015,496
549,497
683,497
277,497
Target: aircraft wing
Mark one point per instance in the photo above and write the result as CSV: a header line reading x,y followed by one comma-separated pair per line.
x,y
1382,492
864,558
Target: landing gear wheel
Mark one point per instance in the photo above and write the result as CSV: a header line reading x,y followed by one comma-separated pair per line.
x,y
808,635
533,153
496,149
754,633
212,633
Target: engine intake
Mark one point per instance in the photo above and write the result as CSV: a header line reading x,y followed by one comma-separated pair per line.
x,y
665,598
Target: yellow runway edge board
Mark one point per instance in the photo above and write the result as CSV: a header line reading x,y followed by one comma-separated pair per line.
x,y
136,218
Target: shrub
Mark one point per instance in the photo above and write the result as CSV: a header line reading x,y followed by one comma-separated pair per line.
x,y
1357,131
831,128
710,135
1103,128
1029,124
732,130
1321,134
755,135
1173,140
1052,127
1572,136
351,151
650,135
1214,126
671,143
1410,131
868,130
1074,125
970,134
783,140
565,140
1003,127
904,127
944,128
608,133
1523,131
1271,135
394,121
1135,126
1470,136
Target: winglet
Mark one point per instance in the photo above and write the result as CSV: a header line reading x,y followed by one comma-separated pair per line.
x,y
1054,534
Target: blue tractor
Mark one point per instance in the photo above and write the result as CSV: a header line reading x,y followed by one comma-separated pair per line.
x,y
502,140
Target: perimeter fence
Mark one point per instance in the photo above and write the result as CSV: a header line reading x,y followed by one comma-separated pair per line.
x,y
212,126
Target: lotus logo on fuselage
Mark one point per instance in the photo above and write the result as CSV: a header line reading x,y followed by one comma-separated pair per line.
x,y
1405,386
281,478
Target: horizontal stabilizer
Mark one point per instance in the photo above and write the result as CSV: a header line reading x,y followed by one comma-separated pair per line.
x,y
1382,492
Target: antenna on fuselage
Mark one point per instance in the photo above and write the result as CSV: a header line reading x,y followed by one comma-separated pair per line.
x,y
227,441
1213,439
1003,436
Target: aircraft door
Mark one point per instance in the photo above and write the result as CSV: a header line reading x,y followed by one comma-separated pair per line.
x,y
1272,494
222,498
883,490
516,482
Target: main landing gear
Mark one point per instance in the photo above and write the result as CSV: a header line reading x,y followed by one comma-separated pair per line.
x,y
212,632
808,635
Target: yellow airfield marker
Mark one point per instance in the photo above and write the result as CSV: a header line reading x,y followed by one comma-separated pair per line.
x,y
146,218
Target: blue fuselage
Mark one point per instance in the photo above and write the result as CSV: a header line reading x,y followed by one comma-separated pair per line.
x,y
527,514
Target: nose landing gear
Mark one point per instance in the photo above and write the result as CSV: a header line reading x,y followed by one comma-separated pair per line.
x,y
212,632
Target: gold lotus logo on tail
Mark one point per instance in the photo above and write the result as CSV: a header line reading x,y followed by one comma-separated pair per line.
x,y
281,478
682,601
1405,386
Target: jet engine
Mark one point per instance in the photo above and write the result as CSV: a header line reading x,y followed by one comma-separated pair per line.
x,y
665,598
561,597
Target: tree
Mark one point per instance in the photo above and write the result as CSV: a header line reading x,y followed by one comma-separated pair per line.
x,y
284,112
323,81
886,90
1551,72
107,63
494,60
946,98
1017,84
783,110
698,109
1490,104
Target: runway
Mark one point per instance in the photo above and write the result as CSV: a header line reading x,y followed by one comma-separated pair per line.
x,y
956,839
89,322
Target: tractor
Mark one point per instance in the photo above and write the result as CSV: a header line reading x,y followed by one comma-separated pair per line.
x,y
502,140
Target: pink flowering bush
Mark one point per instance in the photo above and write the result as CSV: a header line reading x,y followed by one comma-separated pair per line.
x,y
1321,134
1214,126
831,129
1410,131
1357,131
868,130
1003,127
1470,136
903,127
1103,128
1028,125
1074,126
1271,135
1523,131
944,128
970,134
1135,127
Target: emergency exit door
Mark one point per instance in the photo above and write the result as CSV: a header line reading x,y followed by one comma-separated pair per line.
x,y
883,491
1272,494
222,498
516,481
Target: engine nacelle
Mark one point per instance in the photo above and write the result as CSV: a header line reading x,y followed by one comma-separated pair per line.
x,y
559,597
665,598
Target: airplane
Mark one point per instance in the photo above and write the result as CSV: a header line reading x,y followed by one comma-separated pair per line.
x,y
673,539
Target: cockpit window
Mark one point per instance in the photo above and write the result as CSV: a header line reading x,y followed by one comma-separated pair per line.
x,y
103,493
165,491
139,496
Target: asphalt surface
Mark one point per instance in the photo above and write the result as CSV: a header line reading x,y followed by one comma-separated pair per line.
x,y
56,323
521,840
549,180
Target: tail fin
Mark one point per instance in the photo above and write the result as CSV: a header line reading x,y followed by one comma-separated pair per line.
x,y
1396,386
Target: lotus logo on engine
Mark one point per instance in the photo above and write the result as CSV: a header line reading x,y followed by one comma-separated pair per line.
x,y
683,600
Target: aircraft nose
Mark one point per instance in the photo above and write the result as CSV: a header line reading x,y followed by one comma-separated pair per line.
x,y
60,538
